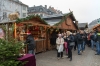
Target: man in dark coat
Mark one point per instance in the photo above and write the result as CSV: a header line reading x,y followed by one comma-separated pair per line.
x,y
79,41
31,43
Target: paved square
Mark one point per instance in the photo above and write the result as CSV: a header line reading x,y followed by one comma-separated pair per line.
x,y
88,58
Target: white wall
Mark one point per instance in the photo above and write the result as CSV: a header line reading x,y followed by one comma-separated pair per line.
x,y
10,7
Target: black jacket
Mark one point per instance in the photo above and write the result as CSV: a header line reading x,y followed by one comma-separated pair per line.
x,y
79,38
75,38
31,43
71,39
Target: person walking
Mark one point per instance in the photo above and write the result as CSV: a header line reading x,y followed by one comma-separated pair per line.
x,y
75,40
98,42
60,47
92,40
84,41
79,42
30,43
65,43
70,41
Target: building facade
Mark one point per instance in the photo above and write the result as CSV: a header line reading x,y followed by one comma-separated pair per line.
x,y
10,6
43,11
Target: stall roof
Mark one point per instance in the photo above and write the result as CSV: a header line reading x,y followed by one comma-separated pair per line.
x,y
30,17
65,16
96,26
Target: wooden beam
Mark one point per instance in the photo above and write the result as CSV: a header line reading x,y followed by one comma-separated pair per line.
x,y
15,30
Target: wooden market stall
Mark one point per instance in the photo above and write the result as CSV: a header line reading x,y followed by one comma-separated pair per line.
x,y
37,27
68,22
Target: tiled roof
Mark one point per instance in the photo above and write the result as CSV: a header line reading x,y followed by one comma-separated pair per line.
x,y
41,9
17,1
36,9
82,25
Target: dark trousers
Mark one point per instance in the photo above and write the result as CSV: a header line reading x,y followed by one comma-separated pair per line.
x,y
89,43
70,51
59,54
76,46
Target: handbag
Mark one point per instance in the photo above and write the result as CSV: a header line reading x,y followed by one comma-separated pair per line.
x,y
72,44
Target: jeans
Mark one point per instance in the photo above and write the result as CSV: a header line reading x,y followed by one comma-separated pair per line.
x,y
83,46
92,44
98,47
31,52
79,48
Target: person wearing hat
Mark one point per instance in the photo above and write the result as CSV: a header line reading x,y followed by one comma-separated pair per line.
x,y
31,43
60,47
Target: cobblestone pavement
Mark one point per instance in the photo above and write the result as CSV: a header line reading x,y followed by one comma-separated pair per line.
x,y
88,58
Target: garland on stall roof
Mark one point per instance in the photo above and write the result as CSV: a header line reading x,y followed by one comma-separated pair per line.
x,y
29,18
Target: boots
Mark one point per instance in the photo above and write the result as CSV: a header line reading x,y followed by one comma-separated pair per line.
x,y
70,59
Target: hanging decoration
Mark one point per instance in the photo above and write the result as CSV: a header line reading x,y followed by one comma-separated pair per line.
x,y
36,27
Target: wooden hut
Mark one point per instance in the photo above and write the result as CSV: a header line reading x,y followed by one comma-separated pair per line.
x,y
37,26
68,22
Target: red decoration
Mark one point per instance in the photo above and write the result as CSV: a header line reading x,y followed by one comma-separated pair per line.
x,y
19,24
37,28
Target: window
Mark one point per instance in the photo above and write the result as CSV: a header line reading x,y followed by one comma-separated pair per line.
x,y
32,10
4,15
41,10
24,8
24,14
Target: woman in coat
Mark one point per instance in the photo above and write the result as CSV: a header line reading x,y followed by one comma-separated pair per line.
x,y
60,47
70,38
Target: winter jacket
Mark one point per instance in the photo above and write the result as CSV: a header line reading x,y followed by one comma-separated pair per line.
x,y
59,41
30,42
71,39
79,38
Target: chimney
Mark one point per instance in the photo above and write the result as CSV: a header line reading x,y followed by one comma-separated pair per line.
x,y
34,5
46,6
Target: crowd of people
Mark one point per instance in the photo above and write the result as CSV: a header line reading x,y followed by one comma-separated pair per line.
x,y
68,41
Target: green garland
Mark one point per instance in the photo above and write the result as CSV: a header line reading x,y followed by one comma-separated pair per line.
x,y
29,18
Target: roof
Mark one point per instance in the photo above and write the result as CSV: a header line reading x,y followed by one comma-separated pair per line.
x,y
30,17
94,22
82,25
36,9
19,2
41,9
96,26
65,16
52,16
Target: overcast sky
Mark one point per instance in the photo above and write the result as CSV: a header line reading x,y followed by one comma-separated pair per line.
x,y
83,10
